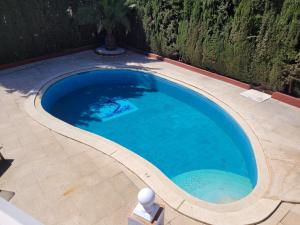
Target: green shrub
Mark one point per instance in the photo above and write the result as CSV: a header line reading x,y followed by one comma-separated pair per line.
x,y
34,27
253,41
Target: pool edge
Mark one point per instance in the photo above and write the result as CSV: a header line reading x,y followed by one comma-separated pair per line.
x,y
173,196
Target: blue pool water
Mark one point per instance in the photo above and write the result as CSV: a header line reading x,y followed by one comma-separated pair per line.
x,y
189,138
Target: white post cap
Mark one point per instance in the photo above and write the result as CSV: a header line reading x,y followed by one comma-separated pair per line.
x,y
146,198
146,208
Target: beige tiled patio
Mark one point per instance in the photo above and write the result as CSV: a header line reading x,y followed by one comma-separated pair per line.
x,y
61,181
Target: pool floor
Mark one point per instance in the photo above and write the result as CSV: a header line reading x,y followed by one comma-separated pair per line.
x,y
176,137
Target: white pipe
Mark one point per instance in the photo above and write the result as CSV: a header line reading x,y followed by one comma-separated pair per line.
x,y
11,215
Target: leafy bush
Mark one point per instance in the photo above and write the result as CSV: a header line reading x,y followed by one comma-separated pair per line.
x,y
109,15
255,41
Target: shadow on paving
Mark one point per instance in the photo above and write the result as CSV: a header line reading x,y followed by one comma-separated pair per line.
x,y
4,165
24,79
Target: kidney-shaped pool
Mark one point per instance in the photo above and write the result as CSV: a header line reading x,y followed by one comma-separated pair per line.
x,y
191,139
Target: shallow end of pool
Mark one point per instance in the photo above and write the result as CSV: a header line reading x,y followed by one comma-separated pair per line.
x,y
214,186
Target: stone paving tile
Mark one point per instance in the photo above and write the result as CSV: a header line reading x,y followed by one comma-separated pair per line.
x,y
97,201
120,182
279,214
32,199
62,211
291,190
296,209
61,181
280,170
119,217
291,219
180,220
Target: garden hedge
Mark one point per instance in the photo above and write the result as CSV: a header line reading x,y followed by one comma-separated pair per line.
x,y
37,27
255,41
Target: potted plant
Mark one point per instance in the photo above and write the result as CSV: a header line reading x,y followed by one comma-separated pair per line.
x,y
108,15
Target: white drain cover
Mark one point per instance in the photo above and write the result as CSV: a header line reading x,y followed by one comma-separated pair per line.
x,y
256,95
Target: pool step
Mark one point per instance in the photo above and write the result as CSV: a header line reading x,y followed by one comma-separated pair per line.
x,y
256,95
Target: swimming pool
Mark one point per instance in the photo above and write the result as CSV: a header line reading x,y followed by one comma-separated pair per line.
x,y
192,140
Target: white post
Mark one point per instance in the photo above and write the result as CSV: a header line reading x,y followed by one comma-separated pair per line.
x,y
146,199
147,211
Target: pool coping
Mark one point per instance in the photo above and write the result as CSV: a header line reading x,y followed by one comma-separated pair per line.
x,y
251,209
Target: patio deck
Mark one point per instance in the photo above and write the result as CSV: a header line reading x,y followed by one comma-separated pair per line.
x,y
61,181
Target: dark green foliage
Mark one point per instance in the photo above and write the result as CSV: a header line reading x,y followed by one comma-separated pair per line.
x,y
160,21
109,15
36,27
255,41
